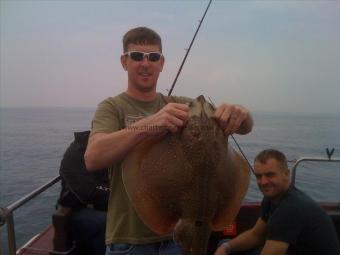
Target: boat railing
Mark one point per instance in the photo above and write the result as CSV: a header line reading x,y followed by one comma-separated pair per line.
x,y
6,213
310,159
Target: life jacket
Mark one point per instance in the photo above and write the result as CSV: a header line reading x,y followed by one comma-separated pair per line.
x,y
81,188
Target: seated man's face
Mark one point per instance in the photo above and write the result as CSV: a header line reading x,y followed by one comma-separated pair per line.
x,y
273,181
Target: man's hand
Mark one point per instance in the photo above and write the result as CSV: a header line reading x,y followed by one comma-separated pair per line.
x,y
234,118
221,250
170,118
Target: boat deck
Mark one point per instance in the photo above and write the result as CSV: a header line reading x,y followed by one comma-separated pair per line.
x,y
41,244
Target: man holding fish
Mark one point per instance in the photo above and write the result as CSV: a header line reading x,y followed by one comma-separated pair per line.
x,y
122,122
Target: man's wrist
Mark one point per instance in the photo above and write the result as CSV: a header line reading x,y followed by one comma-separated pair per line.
x,y
227,247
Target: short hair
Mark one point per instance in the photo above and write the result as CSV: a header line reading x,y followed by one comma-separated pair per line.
x,y
142,36
265,155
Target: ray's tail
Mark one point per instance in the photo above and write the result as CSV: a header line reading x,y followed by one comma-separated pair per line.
x,y
193,236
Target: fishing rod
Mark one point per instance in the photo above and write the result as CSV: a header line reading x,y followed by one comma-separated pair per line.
x,y
188,50
180,69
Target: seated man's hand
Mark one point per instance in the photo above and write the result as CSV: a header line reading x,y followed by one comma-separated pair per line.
x,y
221,250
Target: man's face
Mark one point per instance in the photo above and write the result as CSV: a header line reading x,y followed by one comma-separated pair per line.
x,y
273,181
142,75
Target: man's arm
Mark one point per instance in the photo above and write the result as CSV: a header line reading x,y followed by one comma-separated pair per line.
x,y
249,239
103,149
272,247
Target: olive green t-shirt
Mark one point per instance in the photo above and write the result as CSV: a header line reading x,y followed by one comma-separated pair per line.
x,y
113,114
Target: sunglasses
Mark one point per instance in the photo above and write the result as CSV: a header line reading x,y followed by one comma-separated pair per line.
x,y
139,56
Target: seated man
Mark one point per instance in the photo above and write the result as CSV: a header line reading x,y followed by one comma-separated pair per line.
x,y
87,195
290,221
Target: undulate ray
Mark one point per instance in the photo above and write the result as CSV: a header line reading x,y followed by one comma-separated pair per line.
x,y
189,183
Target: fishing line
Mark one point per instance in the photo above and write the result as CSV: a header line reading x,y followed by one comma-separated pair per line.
x,y
181,67
188,50
238,146
243,154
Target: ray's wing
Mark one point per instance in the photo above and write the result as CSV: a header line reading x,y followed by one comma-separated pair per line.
x,y
232,188
155,177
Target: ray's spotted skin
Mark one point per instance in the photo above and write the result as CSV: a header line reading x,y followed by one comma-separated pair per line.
x,y
190,182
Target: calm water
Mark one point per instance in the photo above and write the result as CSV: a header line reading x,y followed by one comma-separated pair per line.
x,y
32,142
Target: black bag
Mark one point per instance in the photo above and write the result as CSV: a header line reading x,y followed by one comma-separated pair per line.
x,y
81,188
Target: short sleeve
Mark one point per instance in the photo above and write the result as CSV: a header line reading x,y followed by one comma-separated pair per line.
x,y
106,118
265,208
285,225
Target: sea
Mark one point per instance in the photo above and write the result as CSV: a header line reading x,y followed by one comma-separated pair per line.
x,y
33,141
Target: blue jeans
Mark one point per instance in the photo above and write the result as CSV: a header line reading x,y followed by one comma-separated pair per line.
x,y
168,247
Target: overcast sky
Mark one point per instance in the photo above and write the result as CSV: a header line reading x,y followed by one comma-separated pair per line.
x,y
277,56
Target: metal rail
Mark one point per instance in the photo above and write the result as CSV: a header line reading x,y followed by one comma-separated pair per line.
x,y
318,159
6,213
